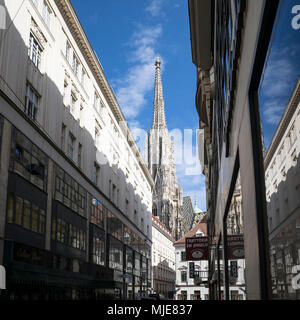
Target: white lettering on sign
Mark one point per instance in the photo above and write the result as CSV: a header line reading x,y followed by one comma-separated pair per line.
x,y
296,279
296,19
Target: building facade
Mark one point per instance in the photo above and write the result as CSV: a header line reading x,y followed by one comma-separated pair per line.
x,y
232,43
187,287
188,214
163,260
76,195
283,205
159,155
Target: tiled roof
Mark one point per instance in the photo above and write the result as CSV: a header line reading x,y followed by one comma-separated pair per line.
x,y
202,225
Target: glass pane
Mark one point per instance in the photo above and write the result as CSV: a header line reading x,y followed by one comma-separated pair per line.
x,y
10,208
235,246
280,121
19,211
35,218
26,221
42,222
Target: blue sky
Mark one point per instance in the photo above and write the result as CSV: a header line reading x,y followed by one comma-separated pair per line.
x,y
281,73
127,36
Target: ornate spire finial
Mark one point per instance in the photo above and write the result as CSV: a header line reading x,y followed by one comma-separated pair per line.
x,y
157,62
159,105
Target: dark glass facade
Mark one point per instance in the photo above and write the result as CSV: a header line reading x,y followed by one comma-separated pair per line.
x,y
91,253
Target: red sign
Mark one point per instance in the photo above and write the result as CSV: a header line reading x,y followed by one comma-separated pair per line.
x,y
196,248
235,247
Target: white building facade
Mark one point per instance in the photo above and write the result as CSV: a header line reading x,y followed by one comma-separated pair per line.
x,y
74,185
163,259
282,173
187,288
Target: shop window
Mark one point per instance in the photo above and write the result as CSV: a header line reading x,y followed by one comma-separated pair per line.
x,y
115,254
99,250
27,214
68,234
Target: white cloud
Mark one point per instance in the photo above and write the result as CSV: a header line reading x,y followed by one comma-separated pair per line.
x,y
139,81
273,111
154,7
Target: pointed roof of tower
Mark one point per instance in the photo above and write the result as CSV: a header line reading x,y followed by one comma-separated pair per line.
x,y
159,120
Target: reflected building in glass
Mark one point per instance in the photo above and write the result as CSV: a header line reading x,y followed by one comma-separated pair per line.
x,y
247,58
283,201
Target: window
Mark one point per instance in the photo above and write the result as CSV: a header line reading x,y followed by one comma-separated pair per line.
x,y
115,254
46,13
126,206
183,256
183,276
83,74
97,101
75,64
98,250
26,214
97,216
96,174
79,155
73,103
68,50
135,217
71,144
113,193
114,226
63,137
31,103
69,192
34,51
97,135
68,234
28,160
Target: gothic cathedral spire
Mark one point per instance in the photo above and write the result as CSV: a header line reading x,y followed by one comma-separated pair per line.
x,y
159,120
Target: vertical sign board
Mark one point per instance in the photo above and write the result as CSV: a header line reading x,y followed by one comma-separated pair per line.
x,y
196,248
233,269
235,247
192,269
2,278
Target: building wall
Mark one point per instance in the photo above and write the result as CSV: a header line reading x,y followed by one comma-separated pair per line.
x,y
190,285
163,259
282,173
107,165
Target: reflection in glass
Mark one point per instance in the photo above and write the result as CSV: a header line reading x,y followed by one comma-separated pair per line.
x,y
280,120
235,246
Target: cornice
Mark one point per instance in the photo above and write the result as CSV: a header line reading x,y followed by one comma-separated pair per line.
x,y
69,15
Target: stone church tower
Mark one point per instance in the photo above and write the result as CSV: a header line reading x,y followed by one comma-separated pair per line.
x,y
159,156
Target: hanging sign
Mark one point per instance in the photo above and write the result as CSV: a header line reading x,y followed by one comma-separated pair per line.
x,y
196,248
2,278
235,247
